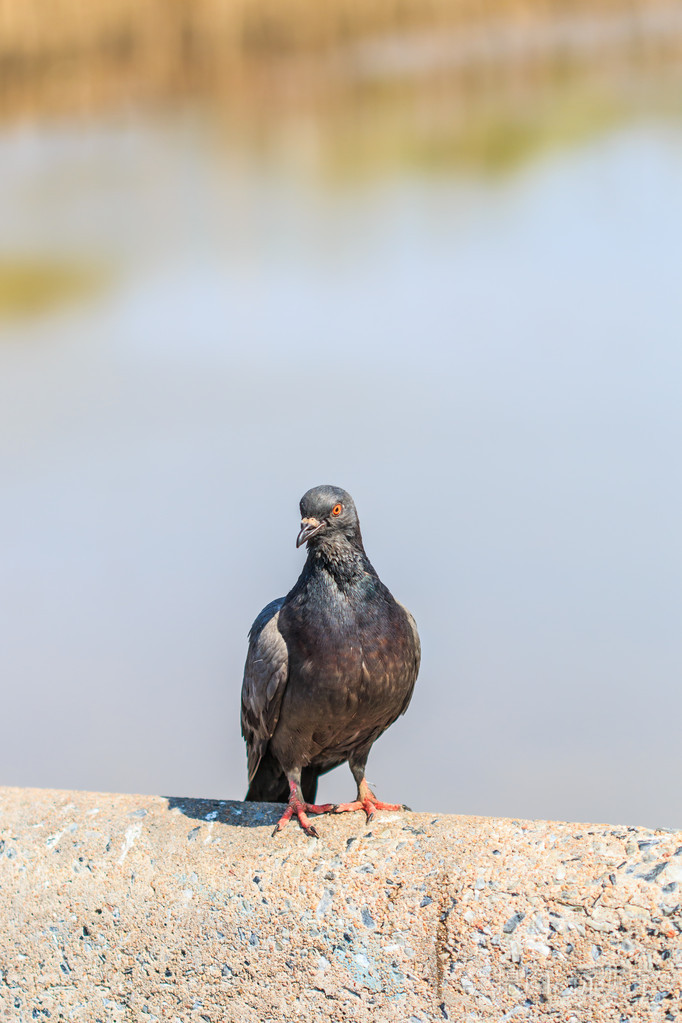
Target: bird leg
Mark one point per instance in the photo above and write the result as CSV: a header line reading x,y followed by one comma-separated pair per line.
x,y
366,801
298,807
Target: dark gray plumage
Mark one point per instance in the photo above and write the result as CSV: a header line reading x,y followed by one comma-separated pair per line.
x,y
329,667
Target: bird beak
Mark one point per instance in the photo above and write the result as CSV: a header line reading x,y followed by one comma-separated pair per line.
x,y
309,527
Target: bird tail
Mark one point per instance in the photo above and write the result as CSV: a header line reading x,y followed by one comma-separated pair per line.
x,y
270,784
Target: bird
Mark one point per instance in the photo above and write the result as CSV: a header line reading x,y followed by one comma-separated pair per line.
x,y
329,668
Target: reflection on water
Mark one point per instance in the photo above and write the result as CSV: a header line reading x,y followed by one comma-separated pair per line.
x,y
489,363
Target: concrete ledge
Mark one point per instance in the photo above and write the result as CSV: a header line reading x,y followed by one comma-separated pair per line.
x,y
142,908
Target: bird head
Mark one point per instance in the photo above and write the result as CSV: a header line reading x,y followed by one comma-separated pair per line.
x,y
328,512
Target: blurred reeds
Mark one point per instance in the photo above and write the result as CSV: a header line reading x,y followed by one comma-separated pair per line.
x,y
432,82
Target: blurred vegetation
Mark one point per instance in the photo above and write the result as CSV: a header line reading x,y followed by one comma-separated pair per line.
x,y
437,84
30,287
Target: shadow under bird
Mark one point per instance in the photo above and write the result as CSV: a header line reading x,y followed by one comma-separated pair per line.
x,y
329,668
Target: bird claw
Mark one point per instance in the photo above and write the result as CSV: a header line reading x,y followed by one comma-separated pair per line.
x,y
370,806
348,807
299,809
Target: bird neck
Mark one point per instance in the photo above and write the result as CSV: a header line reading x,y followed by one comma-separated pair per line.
x,y
342,558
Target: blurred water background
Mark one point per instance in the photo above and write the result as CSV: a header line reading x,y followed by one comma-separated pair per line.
x,y
427,251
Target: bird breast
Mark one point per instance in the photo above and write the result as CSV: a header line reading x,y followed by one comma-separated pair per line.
x,y
343,661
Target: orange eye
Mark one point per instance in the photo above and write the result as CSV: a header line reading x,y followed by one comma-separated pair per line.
x,y
337,509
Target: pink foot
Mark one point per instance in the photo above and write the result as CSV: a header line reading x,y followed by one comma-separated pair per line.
x,y
298,808
368,802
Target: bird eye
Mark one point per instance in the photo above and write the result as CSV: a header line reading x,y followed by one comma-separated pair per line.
x,y
337,509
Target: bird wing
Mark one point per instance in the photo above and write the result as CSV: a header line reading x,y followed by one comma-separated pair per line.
x,y
265,677
413,667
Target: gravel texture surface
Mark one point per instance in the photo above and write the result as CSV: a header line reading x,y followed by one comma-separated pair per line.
x,y
143,908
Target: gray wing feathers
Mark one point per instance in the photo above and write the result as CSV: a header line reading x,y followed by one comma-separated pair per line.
x,y
265,677
417,655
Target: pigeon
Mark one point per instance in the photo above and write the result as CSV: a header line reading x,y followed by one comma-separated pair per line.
x,y
329,668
